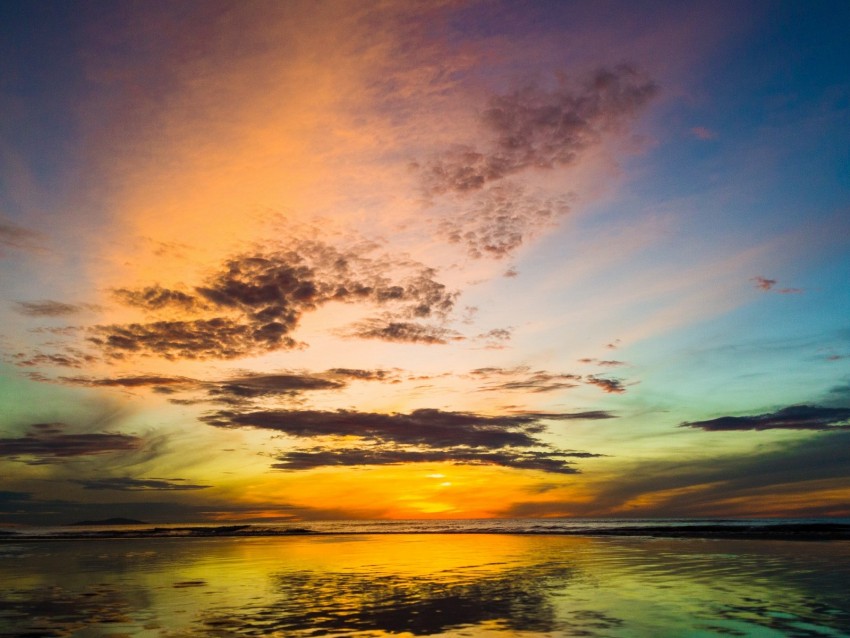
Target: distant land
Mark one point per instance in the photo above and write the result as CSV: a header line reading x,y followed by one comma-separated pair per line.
x,y
112,521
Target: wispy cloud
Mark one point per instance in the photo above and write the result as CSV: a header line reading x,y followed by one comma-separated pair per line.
x,y
128,484
763,283
523,378
795,417
47,443
49,308
15,236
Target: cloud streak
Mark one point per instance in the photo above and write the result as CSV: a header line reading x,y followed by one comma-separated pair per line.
x,y
47,443
128,484
795,417
425,435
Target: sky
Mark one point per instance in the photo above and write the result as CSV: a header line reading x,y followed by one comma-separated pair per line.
x,y
272,261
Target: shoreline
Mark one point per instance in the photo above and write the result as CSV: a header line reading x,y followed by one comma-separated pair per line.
x,y
779,531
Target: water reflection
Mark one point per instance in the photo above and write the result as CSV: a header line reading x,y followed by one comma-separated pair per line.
x,y
424,585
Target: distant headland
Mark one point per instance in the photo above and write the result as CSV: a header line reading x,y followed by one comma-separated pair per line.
x,y
112,521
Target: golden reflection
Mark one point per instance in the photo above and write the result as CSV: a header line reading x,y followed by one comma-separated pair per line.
x,y
475,585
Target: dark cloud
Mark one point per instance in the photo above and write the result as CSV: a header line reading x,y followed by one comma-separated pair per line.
x,y
424,435
763,283
252,386
156,297
47,443
402,331
548,461
501,218
589,415
217,338
535,128
233,390
48,308
254,302
795,417
523,378
743,484
72,358
15,236
127,484
138,381
428,427
611,386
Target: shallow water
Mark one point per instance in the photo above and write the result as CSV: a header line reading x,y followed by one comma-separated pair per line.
x,y
493,585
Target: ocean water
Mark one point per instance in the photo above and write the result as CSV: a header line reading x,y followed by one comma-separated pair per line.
x,y
492,584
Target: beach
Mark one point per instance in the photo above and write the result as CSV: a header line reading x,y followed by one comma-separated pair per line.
x,y
419,584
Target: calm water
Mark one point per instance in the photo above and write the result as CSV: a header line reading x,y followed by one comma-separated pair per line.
x,y
473,585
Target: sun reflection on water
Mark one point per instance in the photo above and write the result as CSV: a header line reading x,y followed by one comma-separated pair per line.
x,y
483,585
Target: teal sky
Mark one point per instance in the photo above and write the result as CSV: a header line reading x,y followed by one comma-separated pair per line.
x,y
440,259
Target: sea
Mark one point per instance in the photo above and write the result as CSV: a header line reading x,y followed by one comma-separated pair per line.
x,y
481,578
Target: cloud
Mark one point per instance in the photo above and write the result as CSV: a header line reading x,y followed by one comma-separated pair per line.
x,y
253,302
402,332
548,461
47,443
15,236
608,363
776,479
48,308
588,415
429,427
702,133
795,417
390,376
495,339
425,435
127,484
241,388
522,378
762,283
535,128
71,358
500,219
156,297
251,386
611,386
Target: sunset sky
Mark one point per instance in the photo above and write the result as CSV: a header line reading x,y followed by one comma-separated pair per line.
x,y
311,260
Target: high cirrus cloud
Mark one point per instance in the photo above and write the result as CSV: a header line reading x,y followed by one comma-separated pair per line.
x,y
48,443
254,302
425,435
795,417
